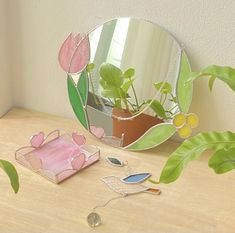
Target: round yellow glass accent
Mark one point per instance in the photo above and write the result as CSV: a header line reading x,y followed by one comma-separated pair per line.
x,y
192,120
179,120
185,131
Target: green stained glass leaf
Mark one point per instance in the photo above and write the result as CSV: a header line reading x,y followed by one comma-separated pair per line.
x,y
12,174
153,137
192,149
82,86
76,102
184,89
223,160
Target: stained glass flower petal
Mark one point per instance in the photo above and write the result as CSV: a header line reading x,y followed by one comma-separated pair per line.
x,y
74,53
136,178
81,56
78,161
192,120
185,131
78,138
37,140
66,51
179,120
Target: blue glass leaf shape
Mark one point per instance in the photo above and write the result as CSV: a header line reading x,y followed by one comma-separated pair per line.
x,y
136,178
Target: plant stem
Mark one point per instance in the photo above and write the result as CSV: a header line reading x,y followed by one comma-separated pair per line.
x,y
164,100
136,99
134,110
124,100
161,98
173,108
112,103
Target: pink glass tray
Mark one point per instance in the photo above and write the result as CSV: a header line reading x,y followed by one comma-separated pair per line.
x,y
57,156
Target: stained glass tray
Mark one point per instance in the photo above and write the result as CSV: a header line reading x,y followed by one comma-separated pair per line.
x,y
57,156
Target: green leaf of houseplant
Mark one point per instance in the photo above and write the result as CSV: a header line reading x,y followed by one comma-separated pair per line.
x,y
90,67
82,86
158,108
153,137
224,73
77,102
127,85
223,160
163,87
111,74
129,73
111,92
184,89
211,82
12,174
191,149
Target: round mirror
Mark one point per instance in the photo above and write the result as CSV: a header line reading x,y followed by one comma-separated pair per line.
x,y
135,83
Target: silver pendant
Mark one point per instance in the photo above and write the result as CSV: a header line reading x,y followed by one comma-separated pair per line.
x,y
93,219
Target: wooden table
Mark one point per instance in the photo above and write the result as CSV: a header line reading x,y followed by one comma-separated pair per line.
x,y
200,201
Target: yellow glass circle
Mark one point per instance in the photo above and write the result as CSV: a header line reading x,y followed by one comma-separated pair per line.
x,y
179,120
185,131
192,120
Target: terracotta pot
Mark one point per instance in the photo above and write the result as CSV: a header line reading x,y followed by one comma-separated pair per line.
x,y
134,128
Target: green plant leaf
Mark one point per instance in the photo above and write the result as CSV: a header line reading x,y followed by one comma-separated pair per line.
x,y
103,83
223,160
111,93
163,87
127,85
211,82
90,67
129,73
224,73
153,137
191,149
12,174
158,108
82,86
111,74
174,99
184,89
118,103
76,102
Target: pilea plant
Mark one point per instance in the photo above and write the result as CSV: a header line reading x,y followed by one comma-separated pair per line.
x,y
222,143
116,85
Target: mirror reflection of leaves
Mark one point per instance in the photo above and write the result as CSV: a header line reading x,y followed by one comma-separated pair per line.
x,y
117,85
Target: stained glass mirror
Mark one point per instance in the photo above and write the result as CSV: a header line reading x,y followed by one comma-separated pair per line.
x,y
132,87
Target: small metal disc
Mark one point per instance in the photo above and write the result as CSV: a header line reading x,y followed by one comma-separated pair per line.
x,y
93,219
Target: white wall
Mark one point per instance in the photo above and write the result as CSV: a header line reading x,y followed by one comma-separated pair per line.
x,y
205,27
5,77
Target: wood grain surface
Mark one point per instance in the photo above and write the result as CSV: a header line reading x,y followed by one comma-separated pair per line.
x,y
200,201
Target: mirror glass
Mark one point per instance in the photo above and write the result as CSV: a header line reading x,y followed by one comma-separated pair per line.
x,y
133,72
